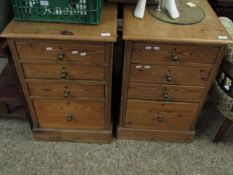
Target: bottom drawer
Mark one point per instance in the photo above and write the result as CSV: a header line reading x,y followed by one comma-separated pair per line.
x,y
70,114
160,115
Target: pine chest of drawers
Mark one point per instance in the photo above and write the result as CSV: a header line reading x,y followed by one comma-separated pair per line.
x,y
66,74
168,71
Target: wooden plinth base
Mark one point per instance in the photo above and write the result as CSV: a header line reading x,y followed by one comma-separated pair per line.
x,y
73,135
155,135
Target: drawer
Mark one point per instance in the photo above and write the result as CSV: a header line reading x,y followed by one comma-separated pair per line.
x,y
66,114
53,71
165,92
61,52
168,74
66,89
160,115
174,53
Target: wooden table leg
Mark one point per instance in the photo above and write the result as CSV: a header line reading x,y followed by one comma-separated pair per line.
x,y
223,129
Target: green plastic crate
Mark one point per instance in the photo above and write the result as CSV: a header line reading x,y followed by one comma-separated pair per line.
x,y
68,11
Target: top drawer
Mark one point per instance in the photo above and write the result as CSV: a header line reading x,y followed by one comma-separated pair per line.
x,y
61,52
150,52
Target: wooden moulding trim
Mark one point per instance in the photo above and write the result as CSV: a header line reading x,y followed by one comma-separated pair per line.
x,y
46,62
161,63
58,42
73,135
175,40
68,99
155,135
85,82
61,37
177,43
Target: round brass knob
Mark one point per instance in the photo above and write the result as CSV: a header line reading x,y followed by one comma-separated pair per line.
x,y
69,118
66,93
63,74
60,55
160,118
174,57
165,94
168,76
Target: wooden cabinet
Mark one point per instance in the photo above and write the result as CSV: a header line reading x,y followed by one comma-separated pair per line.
x,y
168,71
67,79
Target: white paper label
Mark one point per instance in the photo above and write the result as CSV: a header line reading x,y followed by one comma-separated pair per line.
x,y
147,67
148,47
190,4
74,52
106,34
138,67
44,2
49,48
156,48
83,54
222,37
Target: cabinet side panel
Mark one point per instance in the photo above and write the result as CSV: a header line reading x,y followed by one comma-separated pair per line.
x,y
125,80
108,87
22,81
209,84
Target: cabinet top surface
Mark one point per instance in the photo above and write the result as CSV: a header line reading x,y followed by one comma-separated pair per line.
x,y
152,29
45,30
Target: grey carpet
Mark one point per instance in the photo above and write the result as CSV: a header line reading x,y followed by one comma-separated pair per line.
x,y
21,155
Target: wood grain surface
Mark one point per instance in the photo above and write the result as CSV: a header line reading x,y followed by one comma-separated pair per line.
x,y
72,52
155,135
151,52
63,89
159,115
74,72
179,75
85,114
165,92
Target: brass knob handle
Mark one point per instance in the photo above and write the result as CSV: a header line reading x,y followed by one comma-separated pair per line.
x,y
66,93
174,57
69,118
168,76
60,55
160,118
165,94
63,74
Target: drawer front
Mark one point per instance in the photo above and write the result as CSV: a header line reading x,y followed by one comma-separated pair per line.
x,y
73,114
174,53
62,52
160,115
165,92
168,74
66,90
73,72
